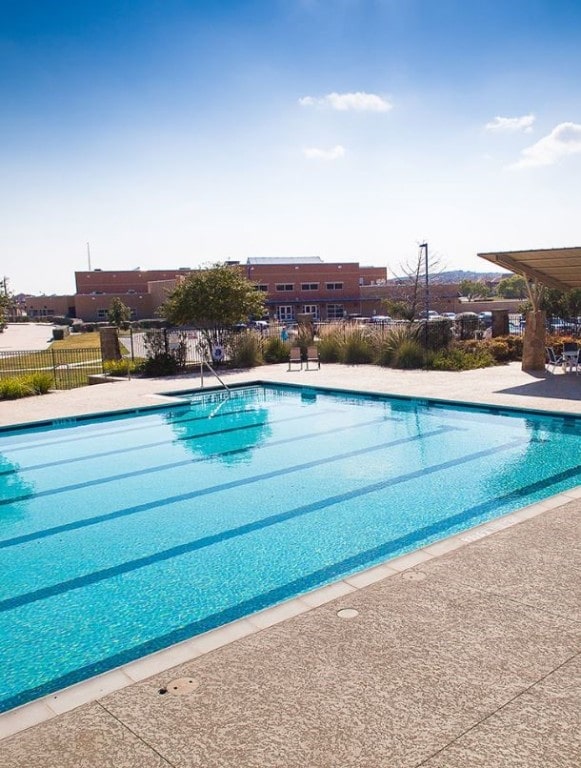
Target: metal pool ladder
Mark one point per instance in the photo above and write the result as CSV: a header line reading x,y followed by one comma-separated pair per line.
x,y
212,370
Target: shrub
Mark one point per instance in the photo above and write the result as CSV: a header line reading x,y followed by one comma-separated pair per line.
x,y
245,350
16,387
409,354
389,344
121,367
276,350
515,344
461,358
162,364
304,336
356,348
499,350
13,388
39,383
331,339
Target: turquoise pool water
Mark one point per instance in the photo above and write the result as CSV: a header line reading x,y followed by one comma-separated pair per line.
x,y
123,535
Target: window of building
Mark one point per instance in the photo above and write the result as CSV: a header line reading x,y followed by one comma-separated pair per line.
x,y
285,287
334,286
309,286
285,313
101,314
262,287
335,311
311,309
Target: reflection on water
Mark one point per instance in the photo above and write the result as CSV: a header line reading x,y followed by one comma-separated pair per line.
x,y
12,485
222,426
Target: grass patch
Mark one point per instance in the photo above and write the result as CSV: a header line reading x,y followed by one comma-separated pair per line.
x,y
79,341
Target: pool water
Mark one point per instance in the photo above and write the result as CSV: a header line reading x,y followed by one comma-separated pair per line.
x,y
124,534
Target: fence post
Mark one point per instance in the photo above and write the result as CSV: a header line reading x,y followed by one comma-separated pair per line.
x,y
56,386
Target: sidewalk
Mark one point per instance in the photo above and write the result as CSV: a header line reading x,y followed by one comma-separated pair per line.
x,y
25,337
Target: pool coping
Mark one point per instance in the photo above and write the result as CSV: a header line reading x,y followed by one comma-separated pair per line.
x,y
52,705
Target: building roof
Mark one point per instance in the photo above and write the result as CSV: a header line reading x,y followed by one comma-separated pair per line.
x,y
261,261
554,267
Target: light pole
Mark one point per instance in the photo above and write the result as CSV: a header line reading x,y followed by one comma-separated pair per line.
x,y
424,248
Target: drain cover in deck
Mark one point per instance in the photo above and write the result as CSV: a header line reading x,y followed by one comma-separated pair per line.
x,y
181,686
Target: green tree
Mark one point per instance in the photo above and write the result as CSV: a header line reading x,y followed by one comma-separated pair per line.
x,y
512,287
474,289
558,303
118,313
5,303
213,299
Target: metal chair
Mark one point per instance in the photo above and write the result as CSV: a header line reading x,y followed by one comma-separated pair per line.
x,y
571,356
553,359
313,357
295,358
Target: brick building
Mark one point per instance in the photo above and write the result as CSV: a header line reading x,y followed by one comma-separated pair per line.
x,y
309,286
293,287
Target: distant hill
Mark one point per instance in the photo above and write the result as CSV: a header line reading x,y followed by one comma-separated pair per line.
x,y
457,275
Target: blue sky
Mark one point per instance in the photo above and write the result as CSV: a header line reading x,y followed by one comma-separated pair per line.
x,y
172,133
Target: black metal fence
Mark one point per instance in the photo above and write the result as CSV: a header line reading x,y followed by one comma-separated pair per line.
x,y
187,344
68,368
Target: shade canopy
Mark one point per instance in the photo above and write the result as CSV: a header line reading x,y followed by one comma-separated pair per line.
x,y
554,267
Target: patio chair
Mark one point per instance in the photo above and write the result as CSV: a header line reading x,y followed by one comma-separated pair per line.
x,y
571,356
295,358
553,359
313,357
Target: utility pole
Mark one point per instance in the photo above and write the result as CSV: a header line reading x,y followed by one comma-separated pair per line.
x,y
424,247
89,256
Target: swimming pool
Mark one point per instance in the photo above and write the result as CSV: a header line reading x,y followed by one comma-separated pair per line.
x,y
124,534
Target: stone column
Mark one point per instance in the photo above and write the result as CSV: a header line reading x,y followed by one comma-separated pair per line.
x,y
533,354
500,322
110,349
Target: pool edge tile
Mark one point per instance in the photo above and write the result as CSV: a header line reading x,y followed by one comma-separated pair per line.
x,y
371,575
278,613
322,595
88,690
28,715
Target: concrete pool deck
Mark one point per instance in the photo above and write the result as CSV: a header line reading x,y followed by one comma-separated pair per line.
x,y
462,654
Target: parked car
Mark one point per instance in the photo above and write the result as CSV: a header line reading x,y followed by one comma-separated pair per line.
x,y
430,315
563,327
381,319
449,315
259,325
485,319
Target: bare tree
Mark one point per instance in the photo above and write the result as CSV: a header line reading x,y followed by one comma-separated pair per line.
x,y
409,298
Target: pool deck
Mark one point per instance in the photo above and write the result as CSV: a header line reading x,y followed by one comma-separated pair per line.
x,y
463,654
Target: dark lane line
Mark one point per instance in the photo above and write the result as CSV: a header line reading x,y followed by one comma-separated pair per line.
x,y
207,541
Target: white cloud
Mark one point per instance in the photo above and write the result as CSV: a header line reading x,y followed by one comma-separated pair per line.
x,y
511,124
343,102
313,153
564,140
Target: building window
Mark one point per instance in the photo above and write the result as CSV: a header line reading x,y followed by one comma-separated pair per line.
x,y
101,314
334,286
335,312
262,287
285,313
309,286
285,287
312,310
